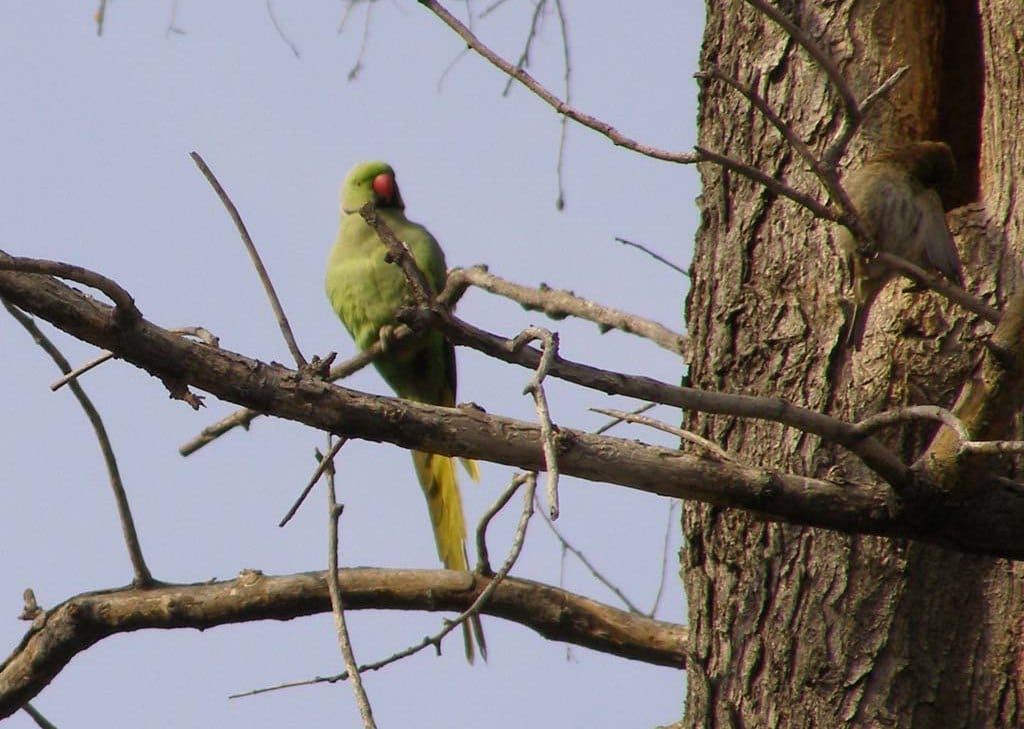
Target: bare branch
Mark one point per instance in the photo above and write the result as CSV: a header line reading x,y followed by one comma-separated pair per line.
x,y
652,254
710,446
553,101
56,302
326,463
672,503
992,447
334,511
142,575
41,721
913,412
940,285
779,188
617,421
81,370
536,388
483,559
872,452
563,123
988,406
759,103
594,572
357,67
558,304
820,56
524,57
280,31
254,256
83,621
127,312
101,16
989,524
481,600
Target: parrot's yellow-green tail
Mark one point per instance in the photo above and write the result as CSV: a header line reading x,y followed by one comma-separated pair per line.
x,y
437,477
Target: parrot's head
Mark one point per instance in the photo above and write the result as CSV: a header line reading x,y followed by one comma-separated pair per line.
x,y
931,163
370,182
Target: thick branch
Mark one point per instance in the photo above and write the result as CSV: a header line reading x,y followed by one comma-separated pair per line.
x,y
82,621
989,524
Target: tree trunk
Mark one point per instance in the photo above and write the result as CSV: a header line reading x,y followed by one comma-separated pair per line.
x,y
800,627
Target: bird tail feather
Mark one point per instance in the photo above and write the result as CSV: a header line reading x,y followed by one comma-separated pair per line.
x,y
441,489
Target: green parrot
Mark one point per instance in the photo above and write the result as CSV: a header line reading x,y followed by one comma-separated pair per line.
x,y
366,292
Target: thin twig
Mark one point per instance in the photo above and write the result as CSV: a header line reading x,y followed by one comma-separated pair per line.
x,y
172,23
558,304
201,333
779,188
353,72
449,68
485,594
349,7
616,421
941,286
564,121
710,446
549,98
820,56
992,447
142,575
594,572
325,464
280,31
759,102
653,255
334,588
254,256
524,57
947,418
535,387
450,625
913,412
81,370
492,7
884,88
101,15
483,565
672,503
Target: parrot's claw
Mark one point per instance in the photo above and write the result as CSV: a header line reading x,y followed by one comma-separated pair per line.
x,y
386,335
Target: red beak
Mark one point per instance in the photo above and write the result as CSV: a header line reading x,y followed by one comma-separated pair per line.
x,y
384,187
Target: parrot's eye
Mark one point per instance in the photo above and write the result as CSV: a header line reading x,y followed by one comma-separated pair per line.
x,y
384,187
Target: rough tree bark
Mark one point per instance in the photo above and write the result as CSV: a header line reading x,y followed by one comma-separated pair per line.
x,y
801,627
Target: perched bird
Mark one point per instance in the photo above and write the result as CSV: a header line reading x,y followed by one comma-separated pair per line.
x,y
366,292
897,202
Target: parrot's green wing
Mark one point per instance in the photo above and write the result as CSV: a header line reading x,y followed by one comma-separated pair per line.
x,y
366,292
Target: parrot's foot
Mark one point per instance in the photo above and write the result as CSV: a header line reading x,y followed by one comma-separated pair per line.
x,y
386,335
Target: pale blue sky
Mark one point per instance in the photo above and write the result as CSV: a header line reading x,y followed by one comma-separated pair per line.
x,y
95,134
